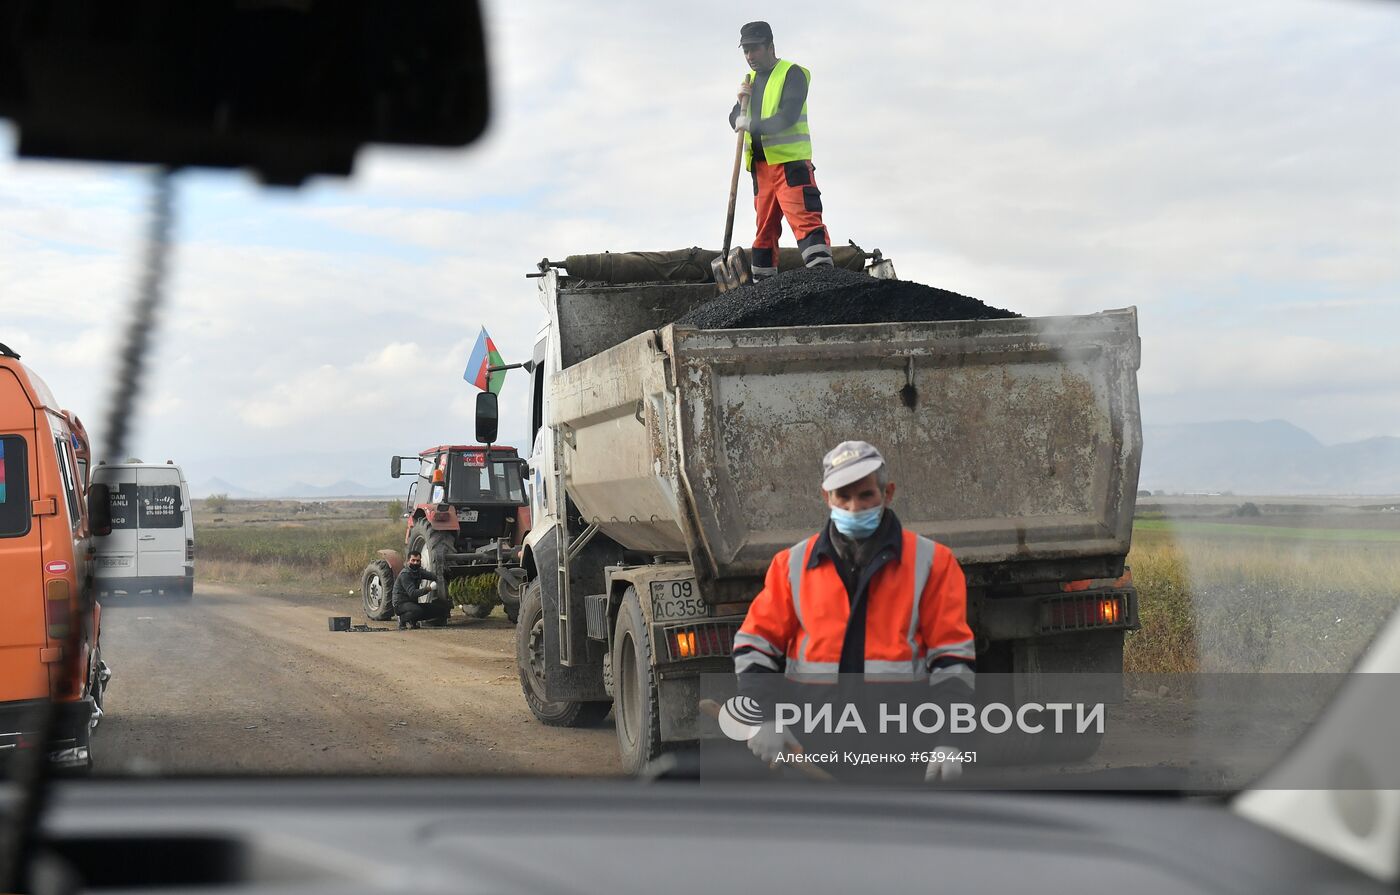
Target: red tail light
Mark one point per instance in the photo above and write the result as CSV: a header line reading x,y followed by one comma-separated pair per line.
x,y
57,609
699,641
1088,611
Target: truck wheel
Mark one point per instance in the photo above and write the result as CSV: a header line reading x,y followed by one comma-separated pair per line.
x,y
512,612
530,661
377,589
638,718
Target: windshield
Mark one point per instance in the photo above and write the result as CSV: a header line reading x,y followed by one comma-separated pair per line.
x,y
472,480
1093,315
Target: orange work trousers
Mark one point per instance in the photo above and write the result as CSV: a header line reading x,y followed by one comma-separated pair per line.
x,y
788,190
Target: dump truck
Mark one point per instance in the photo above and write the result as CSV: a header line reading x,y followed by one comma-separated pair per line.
x,y
670,464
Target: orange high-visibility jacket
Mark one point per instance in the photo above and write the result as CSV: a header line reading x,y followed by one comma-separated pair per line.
x,y
916,616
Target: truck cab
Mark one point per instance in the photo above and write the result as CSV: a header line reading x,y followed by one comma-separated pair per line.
x,y
49,626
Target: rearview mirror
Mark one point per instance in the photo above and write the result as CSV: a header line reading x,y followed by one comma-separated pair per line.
x,y
487,418
100,510
395,467
525,470
289,88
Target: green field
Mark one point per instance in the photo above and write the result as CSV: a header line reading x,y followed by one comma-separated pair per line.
x,y
1183,527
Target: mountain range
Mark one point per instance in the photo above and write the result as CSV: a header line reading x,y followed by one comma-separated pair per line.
x,y
1269,457
1272,457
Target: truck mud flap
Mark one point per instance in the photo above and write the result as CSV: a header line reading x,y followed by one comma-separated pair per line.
x,y
581,682
679,700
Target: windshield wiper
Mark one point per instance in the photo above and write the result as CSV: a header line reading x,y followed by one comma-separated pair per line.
x,y
31,772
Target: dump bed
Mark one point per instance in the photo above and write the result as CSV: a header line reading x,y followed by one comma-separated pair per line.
x,y
1014,441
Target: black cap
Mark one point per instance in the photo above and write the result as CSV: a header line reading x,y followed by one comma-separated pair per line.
x,y
755,33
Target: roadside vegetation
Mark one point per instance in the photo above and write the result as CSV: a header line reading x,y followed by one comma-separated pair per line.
x,y
1229,598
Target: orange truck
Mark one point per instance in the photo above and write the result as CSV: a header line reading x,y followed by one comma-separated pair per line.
x,y
49,625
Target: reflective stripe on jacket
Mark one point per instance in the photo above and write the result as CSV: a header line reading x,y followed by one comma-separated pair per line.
x,y
793,144
916,617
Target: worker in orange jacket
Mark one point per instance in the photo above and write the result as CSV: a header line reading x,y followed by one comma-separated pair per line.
x,y
861,597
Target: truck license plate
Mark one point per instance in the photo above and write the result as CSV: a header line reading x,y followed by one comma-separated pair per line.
x,y
116,562
468,515
675,600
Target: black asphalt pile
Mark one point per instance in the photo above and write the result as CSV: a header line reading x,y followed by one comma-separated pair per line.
x,y
821,296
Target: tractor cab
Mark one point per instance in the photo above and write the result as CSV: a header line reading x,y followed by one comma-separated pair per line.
x,y
480,486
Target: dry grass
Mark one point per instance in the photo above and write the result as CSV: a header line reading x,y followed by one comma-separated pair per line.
x,y
316,554
1216,602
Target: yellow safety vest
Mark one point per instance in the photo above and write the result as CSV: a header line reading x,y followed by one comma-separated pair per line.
x,y
791,145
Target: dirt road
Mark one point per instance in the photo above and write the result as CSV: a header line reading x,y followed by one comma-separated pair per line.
x,y
246,680
253,682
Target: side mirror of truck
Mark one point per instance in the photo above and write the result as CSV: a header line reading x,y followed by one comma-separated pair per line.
x,y
525,470
487,418
395,467
100,510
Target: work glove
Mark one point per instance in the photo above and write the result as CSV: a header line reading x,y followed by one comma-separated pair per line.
x,y
743,122
432,585
945,771
768,744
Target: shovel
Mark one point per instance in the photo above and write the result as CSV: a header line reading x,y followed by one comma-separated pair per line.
x,y
730,269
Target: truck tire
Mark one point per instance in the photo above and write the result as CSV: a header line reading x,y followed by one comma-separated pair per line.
x,y
377,591
638,717
529,661
512,612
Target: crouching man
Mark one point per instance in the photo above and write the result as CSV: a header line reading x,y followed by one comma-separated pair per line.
x,y
416,598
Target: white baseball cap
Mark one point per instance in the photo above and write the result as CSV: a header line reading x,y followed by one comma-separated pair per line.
x,y
849,461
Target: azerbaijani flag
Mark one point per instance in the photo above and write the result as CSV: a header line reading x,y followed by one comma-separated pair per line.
x,y
484,354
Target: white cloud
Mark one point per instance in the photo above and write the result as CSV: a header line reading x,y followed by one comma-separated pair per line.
x,y
1228,169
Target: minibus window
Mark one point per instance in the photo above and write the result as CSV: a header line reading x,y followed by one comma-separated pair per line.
x,y
14,487
160,506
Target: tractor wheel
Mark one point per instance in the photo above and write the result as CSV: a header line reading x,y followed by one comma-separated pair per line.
x,y
509,586
435,546
377,591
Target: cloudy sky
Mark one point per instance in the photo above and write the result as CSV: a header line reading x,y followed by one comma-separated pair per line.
x,y
1231,168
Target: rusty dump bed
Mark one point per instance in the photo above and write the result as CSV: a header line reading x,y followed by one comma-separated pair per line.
x,y
1017,442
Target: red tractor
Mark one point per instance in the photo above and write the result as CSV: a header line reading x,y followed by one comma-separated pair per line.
x,y
468,514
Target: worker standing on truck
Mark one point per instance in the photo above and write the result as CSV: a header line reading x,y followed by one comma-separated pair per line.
x,y
416,600
778,154
861,597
